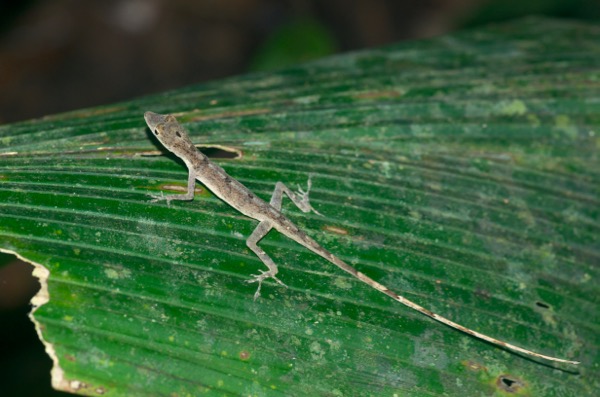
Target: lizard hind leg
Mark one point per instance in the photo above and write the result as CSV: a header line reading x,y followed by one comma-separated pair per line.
x,y
300,199
261,230
302,202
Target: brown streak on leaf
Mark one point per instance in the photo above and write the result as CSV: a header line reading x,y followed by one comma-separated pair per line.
x,y
336,230
233,113
474,366
179,188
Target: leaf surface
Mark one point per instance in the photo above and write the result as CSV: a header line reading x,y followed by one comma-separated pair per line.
x,y
461,172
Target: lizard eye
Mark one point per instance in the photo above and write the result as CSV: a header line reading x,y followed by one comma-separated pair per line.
x,y
155,132
178,134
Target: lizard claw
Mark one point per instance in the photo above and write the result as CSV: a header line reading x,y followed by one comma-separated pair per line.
x,y
160,197
304,196
259,278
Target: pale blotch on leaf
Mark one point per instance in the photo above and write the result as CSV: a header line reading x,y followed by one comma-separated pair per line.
x,y
512,108
342,283
116,274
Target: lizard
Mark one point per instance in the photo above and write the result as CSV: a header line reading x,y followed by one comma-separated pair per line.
x,y
171,134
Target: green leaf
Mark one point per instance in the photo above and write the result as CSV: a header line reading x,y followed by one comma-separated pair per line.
x,y
461,172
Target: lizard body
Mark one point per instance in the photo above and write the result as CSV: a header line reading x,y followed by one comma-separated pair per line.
x,y
174,138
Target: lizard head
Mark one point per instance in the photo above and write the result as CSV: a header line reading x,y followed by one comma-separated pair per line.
x,y
169,132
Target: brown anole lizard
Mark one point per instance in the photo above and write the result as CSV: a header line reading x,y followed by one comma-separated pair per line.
x,y
174,138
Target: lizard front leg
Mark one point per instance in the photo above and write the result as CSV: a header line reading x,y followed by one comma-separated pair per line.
x,y
188,196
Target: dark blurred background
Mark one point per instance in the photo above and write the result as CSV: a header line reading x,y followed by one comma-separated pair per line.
x,y
59,55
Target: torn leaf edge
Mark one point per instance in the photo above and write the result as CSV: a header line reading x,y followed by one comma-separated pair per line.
x,y
38,300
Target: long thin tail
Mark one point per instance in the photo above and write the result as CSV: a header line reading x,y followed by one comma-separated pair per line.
x,y
369,281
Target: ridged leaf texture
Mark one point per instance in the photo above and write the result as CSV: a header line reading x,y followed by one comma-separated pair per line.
x,y
461,172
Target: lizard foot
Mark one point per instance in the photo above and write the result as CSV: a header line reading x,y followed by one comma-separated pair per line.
x,y
304,199
259,278
161,197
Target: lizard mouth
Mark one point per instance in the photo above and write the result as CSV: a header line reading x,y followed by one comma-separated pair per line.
x,y
153,119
